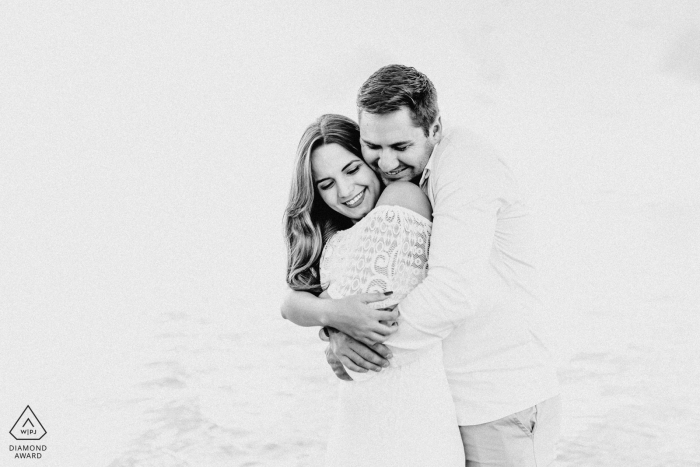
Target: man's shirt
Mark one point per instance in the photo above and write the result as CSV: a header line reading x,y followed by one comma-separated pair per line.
x,y
480,285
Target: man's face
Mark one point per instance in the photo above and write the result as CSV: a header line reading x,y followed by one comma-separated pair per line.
x,y
394,146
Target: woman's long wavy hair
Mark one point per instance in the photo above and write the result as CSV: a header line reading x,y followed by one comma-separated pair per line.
x,y
308,221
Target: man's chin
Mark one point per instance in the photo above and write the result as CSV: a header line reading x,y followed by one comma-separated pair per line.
x,y
407,178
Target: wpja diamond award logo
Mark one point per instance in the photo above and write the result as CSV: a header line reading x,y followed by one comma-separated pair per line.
x,y
28,428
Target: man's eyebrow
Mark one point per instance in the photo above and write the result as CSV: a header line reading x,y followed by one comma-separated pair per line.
x,y
345,167
399,143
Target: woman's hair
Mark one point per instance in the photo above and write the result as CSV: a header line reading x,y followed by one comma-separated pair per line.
x,y
308,221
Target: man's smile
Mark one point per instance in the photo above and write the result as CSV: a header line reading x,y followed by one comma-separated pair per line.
x,y
394,172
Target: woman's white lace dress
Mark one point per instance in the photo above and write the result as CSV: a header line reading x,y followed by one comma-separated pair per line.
x,y
404,415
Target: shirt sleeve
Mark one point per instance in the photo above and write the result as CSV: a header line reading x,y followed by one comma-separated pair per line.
x,y
468,179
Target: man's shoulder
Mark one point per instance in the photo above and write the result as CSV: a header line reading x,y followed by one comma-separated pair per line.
x,y
462,149
461,137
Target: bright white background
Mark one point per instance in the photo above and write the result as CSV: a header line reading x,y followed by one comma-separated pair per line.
x,y
145,157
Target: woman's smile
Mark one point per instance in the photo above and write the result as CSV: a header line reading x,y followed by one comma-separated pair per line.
x,y
344,182
356,200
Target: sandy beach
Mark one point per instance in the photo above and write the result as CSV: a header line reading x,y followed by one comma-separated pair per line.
x,y
202,387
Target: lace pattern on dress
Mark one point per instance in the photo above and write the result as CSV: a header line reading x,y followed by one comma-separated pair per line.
x,y
386,250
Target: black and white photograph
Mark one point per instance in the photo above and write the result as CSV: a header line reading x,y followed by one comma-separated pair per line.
x,y
350,234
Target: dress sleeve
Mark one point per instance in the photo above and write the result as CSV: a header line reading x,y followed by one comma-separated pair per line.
x,y
325,265
387,250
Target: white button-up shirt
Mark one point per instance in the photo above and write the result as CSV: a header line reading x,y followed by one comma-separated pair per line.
x,y
480,285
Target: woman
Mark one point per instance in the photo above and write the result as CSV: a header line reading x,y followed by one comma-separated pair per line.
x,y
347,236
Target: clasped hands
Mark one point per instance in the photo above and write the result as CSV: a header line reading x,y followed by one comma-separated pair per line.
x,y
357,334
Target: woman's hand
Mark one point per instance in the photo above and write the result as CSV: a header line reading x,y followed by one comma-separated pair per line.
x,y
352,316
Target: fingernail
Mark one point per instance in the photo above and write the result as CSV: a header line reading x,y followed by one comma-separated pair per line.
x,y
389,292
391,355
377,370
385,364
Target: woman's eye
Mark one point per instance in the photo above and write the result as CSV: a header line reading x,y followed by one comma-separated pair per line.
x,y
325,187
354,170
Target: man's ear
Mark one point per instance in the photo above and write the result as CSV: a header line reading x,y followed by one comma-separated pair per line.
x,y
435,132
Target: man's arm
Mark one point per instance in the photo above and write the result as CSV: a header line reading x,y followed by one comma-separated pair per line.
x,y
352,354
467,184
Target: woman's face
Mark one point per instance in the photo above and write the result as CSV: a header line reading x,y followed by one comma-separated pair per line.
x,y
345,182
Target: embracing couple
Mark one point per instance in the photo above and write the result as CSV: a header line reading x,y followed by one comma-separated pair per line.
x,y
410,246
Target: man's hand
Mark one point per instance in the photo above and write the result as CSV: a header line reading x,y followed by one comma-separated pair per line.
x,y
335,364
355,355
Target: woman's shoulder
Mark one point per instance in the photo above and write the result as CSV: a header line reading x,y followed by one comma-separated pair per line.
x,y
406,195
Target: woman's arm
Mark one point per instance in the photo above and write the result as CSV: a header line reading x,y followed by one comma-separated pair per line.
x,y
305,309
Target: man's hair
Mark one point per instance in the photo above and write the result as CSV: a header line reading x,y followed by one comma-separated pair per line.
x,y
394,86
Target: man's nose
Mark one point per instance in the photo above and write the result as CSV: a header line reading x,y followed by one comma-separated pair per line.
x,y
387,161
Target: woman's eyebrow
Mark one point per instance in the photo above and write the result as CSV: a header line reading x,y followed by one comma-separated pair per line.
x,y
343,169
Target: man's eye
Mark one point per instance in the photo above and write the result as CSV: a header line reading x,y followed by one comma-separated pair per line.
x,y
402,148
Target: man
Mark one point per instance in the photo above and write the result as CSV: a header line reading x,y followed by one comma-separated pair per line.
x,y
480,283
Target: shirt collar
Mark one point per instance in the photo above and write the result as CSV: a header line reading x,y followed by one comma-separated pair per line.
x,y
428,167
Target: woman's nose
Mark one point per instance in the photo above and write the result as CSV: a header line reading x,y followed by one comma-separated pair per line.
x,y
344,188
